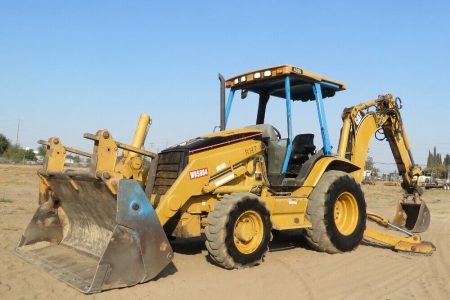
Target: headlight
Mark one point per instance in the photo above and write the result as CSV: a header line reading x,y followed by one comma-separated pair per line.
x,y
257,75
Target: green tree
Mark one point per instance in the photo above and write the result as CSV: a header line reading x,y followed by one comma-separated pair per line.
x,y
429,159
435,165
42,150
29,154
4,144
17,154
447,160
370,165
76,159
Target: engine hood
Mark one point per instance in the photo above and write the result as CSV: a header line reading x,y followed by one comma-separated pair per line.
x,y
217,139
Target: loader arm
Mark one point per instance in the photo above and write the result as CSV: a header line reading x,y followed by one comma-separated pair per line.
x,y
382,117
206,172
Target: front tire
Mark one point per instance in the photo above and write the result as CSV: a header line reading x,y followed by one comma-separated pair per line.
x,y
337,211
238,231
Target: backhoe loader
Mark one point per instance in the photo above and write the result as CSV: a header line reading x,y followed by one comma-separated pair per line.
x,y
108,227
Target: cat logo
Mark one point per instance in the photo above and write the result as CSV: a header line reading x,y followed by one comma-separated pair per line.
x,y
358,118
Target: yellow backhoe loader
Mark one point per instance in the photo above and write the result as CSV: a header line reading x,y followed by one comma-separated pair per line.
x,y
108,227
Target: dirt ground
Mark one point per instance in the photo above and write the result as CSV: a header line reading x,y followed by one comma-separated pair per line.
x,y
290,270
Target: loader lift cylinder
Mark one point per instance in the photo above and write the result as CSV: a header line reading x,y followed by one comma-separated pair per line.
x,y
140,134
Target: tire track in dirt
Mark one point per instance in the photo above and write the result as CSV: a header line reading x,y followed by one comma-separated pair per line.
x,y
377,281
372,276
300,275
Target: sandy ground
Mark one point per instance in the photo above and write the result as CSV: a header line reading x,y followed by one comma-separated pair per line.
x,y
290,270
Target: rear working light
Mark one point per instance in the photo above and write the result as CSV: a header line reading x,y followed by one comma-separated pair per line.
x,y
257,75
267,73
236,81
243,79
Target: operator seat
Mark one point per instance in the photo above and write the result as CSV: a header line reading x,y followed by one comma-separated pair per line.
x,y
275,151
268,133
302,147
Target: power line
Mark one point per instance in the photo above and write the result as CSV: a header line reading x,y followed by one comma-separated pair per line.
x,y
393,163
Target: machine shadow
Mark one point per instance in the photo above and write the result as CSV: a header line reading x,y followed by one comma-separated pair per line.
x,y
171,269
288,239
282,240
189,246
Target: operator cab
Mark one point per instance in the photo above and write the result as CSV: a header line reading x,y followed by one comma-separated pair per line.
x,y
288,159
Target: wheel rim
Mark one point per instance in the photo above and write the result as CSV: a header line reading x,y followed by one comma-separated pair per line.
x,y
248,232
346,213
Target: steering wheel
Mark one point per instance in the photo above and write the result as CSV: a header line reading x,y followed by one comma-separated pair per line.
x,y
277,132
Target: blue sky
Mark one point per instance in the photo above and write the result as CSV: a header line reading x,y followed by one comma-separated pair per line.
x,y
69,67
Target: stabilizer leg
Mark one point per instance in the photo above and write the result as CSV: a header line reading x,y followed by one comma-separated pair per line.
x,y
410,243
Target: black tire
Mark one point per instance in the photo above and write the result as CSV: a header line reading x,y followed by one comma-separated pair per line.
x,y
324,234
220,232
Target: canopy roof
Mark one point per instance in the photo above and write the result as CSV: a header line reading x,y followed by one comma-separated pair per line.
x,y
272,81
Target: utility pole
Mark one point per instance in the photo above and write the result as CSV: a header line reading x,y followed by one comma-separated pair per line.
x,y
17,135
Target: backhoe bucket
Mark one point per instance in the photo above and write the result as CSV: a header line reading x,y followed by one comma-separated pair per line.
x,y
94,240
414,217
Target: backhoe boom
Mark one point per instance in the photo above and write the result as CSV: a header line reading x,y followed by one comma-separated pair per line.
x,y
382,117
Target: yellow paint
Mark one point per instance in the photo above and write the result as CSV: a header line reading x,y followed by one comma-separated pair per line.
x,y
282,71
140,134
185,188
104,163
358,132
248,232
408,244
346,213
241,167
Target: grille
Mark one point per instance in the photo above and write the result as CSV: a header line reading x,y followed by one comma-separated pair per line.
x,y
170,165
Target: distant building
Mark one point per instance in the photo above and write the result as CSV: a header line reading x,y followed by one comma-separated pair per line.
x,y
367,173
69,161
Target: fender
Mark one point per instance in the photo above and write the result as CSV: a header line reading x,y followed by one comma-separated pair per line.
x,y
329,163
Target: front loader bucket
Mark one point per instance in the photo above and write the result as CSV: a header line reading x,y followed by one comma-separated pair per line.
x,y
413,216
94,240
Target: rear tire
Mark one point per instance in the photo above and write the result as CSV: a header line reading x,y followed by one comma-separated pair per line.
x,y
238,231
337,211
